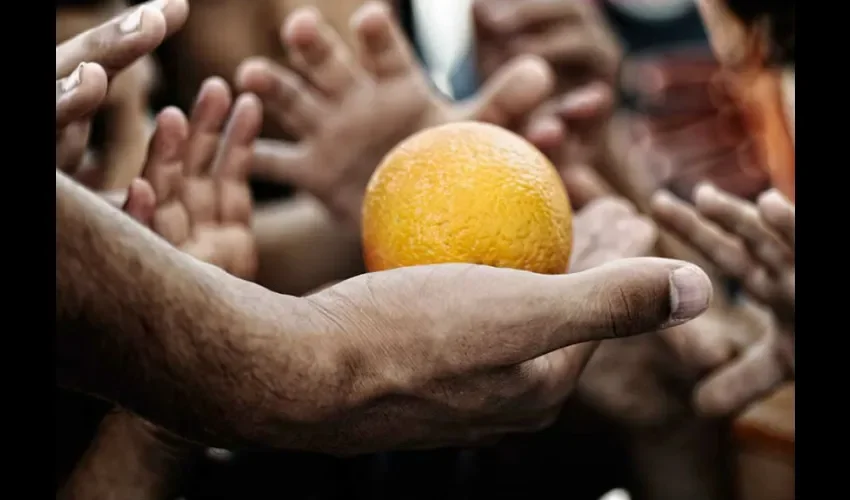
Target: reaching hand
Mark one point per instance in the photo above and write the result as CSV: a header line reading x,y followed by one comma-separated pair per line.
x,y
572,36
86,63
693,129
199,173
755,245
350,109
608,229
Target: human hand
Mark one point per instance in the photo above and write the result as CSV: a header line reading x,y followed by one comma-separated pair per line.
x,y
573,37
86,65
754,244
350,109
451,354
692,128
199,173
608,229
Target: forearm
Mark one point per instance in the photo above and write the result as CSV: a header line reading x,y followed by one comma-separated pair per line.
x,y
127,460
142,324
301,247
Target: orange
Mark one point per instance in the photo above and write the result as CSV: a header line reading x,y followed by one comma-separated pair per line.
x,y
467,193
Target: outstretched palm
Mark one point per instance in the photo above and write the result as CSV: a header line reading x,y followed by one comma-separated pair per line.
x,y
754,244
199,173
349,110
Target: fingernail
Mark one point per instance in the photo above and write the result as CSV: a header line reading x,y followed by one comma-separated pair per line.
x,y
132,22
73,80
690,294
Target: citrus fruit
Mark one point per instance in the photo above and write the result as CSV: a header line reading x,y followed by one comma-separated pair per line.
x,y
467,193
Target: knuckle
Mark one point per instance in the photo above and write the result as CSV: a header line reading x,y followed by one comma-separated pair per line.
x,y
619,312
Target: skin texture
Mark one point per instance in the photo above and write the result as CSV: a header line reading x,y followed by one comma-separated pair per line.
x,y
129,457
353,368
467,192
370,399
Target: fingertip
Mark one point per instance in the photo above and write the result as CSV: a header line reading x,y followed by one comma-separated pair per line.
x,y
94,75
216,87
252,75
176,12
370,18
690,293
662,200
248,112
704,191
535,73
546,132
587,101
773,199
301,26
152,24
172,122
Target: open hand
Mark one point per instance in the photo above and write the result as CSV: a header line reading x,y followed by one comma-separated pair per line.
x,y
754,244
199,172
85,66
350,109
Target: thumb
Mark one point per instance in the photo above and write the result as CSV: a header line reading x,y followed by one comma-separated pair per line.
x,y
513,92
624,298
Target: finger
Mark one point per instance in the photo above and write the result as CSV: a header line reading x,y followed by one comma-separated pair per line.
x,y
80,94
164,167
574,48
729,390
141,201
584,185
513,92
176,13
623,298
652,77
319,52
741,218
547,133
293,103
208,117
779,214
511,17
383,48
701,343
685,222
281,162
587,102
237,147
115,44
636,237
71,146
